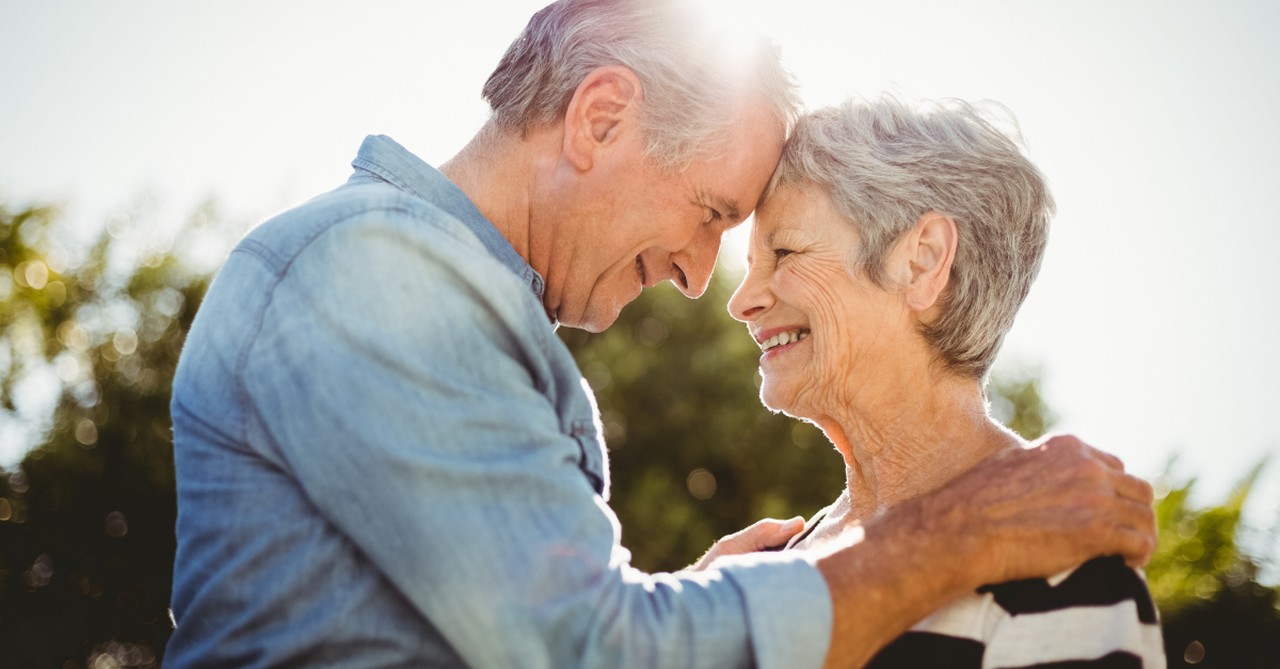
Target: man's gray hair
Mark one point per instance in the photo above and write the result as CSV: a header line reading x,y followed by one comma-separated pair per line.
x,y
885,163
691,83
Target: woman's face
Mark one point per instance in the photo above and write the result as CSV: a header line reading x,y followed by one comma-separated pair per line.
x,y
826,332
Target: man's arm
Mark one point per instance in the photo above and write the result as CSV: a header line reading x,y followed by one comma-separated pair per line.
x,y
1019,515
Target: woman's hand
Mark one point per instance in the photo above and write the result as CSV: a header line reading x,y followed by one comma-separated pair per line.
x,y
763,534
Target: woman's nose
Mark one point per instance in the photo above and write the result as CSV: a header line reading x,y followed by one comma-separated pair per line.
x,y
749,300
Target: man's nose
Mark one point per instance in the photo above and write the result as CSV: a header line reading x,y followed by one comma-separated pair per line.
x,y
692,267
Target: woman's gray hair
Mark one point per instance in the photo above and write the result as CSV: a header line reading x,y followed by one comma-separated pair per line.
x,y
683,61
886,163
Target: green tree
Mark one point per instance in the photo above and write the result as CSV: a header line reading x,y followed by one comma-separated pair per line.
x,y
1017,402
1215,611
86,549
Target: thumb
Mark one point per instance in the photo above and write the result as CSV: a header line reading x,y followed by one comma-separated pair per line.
x,y
770,533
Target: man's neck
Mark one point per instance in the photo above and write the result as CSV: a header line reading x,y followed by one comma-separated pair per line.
x,y
496,170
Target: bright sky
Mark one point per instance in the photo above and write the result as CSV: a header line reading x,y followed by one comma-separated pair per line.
x,y
1156,317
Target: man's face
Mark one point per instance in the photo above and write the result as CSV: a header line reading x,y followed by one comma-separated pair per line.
x,y
639,226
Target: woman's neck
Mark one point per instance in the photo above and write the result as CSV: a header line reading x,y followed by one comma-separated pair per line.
x,y
898,445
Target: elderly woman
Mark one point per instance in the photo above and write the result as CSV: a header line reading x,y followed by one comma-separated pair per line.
x,y
892,250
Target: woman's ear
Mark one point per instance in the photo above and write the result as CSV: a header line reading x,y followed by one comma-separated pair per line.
x,y
604,104
931,250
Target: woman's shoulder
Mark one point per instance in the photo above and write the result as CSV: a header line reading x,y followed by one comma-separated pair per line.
x,y
1101,581
1096,615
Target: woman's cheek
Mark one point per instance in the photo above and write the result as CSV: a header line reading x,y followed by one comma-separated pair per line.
x,y
822,296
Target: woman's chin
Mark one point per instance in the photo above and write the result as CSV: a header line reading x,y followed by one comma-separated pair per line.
x,y
774,399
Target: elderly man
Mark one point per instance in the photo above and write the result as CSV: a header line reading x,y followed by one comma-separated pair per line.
x,y
386,457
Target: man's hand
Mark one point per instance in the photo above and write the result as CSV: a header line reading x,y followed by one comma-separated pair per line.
x,y
763,534
1042,510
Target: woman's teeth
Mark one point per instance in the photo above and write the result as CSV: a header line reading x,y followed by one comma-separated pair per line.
x,y
783,338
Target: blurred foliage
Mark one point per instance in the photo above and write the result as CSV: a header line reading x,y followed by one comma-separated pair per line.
x,y
1214,611
86,549
86,521
1016,401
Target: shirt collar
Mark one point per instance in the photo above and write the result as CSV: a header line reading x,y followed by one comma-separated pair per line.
x,y
396,165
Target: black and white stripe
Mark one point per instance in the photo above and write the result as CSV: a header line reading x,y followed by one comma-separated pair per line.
x,y
1097,616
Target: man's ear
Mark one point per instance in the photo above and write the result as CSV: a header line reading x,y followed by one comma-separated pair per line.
x,y
604,104
930,252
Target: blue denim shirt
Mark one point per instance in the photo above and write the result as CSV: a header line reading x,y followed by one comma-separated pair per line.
x,y
387,458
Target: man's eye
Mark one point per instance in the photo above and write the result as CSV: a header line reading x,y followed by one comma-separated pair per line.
x,y
713,216
779,254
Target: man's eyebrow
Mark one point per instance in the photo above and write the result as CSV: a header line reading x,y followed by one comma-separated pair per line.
x,y
727,208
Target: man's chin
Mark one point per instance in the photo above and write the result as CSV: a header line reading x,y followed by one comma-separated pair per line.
x,y
592,322
593,315
599,323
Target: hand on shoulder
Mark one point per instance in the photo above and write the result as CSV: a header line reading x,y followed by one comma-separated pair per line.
x,y
1038,511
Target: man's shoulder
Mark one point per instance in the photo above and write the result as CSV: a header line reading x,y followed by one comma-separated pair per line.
x,y
358,209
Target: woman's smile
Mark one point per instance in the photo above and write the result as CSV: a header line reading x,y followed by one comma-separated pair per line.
x,y
776,342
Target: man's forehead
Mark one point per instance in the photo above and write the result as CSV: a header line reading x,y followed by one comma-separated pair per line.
x,y
732,184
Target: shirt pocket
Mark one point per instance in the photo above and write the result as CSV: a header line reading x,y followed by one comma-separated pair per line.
x,y
592,459
584,426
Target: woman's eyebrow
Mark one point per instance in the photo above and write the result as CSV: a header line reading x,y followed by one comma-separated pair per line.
x,y
771,239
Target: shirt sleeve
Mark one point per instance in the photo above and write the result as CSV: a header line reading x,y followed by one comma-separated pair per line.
x,y
398,385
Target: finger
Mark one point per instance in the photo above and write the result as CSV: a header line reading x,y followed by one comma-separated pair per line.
x,y
1133,534
1061,442
1106,458
1135,547
1139,517
1133,488
777,532
1068,442
791,527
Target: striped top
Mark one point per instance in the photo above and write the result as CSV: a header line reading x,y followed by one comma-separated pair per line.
x,y
1098,615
